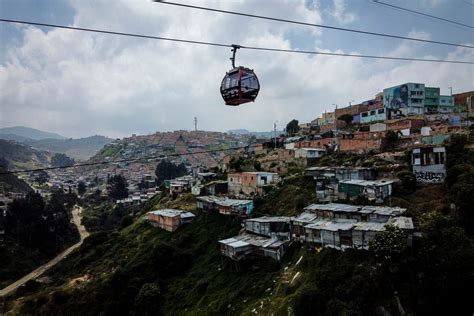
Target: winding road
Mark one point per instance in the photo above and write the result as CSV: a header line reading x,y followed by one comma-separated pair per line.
x,y
76,218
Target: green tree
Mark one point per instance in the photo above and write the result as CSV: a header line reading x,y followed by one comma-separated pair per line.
x,y
81,188
257,165
41,177
445,260
236,164
391,139
61,160
388,244
456,152
346,118
166,170
147,301
407,181
292,127
118,187
461,194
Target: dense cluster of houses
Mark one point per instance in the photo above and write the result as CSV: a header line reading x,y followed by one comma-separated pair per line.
x,y
418,114
349,183
338,226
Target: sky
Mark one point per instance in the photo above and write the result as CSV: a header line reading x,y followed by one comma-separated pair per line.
x,y
79,84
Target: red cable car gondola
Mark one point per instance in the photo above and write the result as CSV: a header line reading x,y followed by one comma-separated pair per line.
x,y
240,84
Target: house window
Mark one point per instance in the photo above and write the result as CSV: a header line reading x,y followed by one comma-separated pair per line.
x,y
417,86
381,111
416,159
365,114
372,112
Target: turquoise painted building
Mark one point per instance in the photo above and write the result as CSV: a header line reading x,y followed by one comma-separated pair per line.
x,y
446,104
373,116
415,98
408,98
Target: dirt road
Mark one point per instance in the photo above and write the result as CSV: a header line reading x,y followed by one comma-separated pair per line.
x,y
76,218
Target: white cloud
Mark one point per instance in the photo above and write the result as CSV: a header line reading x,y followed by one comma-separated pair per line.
x,y
430,3
340,14
78,83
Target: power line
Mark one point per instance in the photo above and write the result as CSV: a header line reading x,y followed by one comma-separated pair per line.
x,y
314,25
230,45
421,13
467,2
88,164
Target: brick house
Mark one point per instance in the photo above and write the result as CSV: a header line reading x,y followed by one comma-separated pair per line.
x,y
250,183
169,219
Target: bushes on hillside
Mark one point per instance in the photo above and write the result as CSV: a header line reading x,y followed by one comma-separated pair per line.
x,y
407,181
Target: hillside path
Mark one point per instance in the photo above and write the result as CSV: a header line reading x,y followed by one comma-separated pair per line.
x,y
76,218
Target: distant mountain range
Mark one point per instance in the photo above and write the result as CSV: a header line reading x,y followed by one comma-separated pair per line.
x,y
257,134
20,133
79,149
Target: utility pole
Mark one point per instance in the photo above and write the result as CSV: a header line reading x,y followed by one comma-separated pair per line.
x,y
195,123
451,91
335,126
275,133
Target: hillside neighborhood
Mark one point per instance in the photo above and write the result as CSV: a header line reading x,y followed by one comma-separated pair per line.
x,y
352,163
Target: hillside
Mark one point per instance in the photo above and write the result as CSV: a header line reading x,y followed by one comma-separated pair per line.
x,y
21,156
142,270
22,132
79,149
11,183
189,143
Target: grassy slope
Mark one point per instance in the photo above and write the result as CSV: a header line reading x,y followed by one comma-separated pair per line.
x,y
186,264
194,278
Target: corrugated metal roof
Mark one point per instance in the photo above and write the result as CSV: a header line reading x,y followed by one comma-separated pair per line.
x,y
402,222
336,168
224,201
335,207
369,226
384,210
332,225
270,219
367,182
254,240
172,213
305,217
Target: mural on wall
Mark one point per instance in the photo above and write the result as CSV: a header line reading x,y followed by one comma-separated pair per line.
x,y
398,97
429,164
429,177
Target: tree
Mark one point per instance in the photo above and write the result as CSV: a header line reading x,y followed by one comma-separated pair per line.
x,y
461,195
41,177
391,139
166,170
61,160
408,181
147,301
292,127
81,188
346,118
236,164
118,187
388,244
456,152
